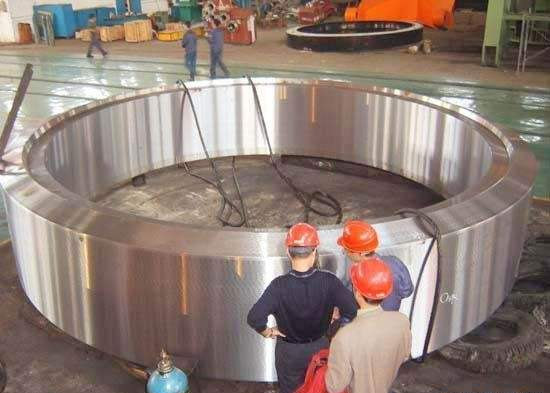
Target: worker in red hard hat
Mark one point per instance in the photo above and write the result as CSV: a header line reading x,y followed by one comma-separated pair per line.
x,y
302,302
366,354
360,240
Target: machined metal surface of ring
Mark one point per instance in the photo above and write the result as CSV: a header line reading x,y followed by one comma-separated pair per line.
x,y
131,285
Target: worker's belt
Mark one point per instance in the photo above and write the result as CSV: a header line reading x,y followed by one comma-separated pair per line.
x,y
301,341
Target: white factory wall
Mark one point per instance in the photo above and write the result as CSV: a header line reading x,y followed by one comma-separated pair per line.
x,y
20,11
6,25
149,6
7,33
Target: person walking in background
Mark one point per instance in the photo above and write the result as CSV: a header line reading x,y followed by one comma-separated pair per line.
x,y
95,42
216,50
302,302
359,241
189,42
366,354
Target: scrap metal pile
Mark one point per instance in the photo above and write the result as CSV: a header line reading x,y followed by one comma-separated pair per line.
x,y
315,11
237,22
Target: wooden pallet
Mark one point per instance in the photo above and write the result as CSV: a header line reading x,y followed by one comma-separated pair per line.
x,y
111,33
86,34
138,31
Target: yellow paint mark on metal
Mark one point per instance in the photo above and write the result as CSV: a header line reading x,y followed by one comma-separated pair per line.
x,y
283,93
239,266
87,273
313,106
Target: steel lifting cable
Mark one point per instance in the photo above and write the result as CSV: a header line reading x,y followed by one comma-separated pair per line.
x,y
435,232
238,188
305,198
217,183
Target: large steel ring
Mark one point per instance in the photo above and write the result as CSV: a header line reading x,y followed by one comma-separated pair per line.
x,y
130,285
353,36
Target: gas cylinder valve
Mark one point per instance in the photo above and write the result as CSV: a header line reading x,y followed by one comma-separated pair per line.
x,y
167,378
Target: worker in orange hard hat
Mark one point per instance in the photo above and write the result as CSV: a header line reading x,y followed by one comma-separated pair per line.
x,y
301,302
366,354
360,240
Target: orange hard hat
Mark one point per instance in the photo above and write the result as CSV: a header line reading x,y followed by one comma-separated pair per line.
x,y
372,278
358,236
302,235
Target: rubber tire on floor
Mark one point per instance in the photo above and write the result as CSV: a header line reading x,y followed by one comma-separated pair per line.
x,y
535,301
496,357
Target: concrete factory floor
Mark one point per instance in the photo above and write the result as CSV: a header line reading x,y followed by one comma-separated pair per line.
x,y
64,78
40,359
456,57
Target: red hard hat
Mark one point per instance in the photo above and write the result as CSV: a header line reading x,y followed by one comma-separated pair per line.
x,y
358,236
302,235
372,278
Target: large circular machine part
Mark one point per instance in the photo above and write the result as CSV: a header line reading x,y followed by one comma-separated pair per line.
x,y
132,285
353,36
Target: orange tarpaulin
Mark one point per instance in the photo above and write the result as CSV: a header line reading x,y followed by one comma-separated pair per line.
x,y
432,13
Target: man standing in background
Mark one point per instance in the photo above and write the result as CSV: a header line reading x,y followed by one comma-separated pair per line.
x,y
189,42
216,50
95,43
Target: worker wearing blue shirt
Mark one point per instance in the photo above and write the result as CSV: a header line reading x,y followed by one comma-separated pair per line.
x,y
216,50
189,42
360,241
95,42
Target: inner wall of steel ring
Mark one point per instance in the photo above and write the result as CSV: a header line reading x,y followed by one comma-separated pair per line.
x,y
131,286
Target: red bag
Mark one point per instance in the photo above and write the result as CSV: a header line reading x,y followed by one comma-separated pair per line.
x,y
315,375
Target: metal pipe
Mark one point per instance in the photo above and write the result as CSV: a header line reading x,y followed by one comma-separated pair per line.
x,y
17,101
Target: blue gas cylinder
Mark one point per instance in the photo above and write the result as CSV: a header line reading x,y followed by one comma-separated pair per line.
x,y
167,378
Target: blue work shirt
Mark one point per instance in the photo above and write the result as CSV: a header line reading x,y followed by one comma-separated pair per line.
x,y
216,40
402,283
189,41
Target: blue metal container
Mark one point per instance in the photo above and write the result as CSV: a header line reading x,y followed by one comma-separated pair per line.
x,y
104,14
83,17
243,3
135,7
120,19
64,20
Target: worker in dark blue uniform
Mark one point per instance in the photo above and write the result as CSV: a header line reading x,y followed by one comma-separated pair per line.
x,y
302,302
95,43
216,50
189,42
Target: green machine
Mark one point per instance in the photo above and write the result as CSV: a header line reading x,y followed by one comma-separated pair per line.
x,y
186,11
522,22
